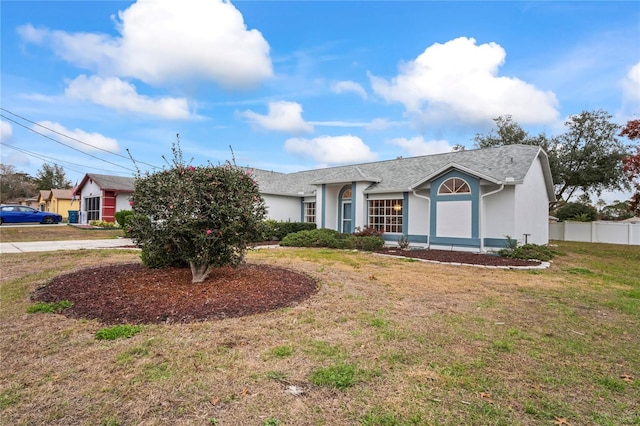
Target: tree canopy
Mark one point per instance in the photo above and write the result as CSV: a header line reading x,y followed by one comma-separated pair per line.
x,y
632,164
14,184
587,156
52,177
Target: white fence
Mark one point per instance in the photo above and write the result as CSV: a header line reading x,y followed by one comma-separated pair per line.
x,y
596,232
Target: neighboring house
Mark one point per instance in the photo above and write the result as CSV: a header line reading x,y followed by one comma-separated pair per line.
x,y
635,219
465,200
43,200
58,201
101,196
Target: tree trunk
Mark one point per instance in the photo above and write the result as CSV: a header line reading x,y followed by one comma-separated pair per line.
x,y
199,272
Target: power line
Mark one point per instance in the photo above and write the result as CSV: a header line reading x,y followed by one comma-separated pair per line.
x,y
64,144
68,137
46,158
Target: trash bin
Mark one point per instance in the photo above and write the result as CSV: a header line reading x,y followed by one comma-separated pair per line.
x,y
73,216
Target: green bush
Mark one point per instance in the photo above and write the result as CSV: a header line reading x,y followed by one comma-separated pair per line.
x,y
121,219
205,216
528,251
331,239
368,243
273,230
577,211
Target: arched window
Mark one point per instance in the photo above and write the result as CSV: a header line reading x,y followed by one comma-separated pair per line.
x,y
346,195
454,186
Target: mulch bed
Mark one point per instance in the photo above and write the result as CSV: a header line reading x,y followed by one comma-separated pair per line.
x,y
134,294
468,258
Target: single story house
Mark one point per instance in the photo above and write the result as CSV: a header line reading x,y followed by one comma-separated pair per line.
x,y
466,200
58,201
101,196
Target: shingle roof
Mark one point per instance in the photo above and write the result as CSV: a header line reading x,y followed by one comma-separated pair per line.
x,y
62,194
502,165
113,183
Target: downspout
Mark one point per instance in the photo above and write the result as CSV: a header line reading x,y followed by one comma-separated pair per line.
x,y
482,215
430,218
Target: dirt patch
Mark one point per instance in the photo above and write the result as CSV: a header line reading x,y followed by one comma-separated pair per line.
x,y
134,294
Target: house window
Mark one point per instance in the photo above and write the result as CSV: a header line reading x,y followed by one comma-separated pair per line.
x,y
386,215
454,186
310,212
92,207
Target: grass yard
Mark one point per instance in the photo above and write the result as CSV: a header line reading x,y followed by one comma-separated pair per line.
x,y
383,342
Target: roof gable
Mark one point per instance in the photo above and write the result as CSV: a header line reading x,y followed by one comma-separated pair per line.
x,y
108,182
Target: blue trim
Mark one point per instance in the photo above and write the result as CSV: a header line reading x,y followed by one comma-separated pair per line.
x,y
405,213
324,205
456,242
496,242
353,206
302,209
474,197
423,239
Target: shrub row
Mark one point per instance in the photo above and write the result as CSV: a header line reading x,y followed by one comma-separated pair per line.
x,y
273,230
332,239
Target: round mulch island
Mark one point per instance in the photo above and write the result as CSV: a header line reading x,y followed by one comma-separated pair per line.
x,y
135,294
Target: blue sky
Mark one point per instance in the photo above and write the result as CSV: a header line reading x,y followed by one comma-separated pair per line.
x,y
293,85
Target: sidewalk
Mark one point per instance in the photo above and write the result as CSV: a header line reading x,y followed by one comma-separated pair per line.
x,y
33,246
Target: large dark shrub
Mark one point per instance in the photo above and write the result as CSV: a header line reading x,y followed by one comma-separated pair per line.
x,y
576,211
204,216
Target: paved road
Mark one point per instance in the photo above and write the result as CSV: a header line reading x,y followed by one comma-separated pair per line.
x,y
63,245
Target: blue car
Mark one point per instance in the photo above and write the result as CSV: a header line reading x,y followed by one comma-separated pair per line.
x,y
18,214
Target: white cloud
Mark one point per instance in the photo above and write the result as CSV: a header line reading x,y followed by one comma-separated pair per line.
x,y
459,80
331,149
122,96
31,34
162,41
631,84
6,131
349,86
92,141
282,117
418,146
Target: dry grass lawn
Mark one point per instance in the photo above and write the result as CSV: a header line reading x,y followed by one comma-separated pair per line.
x,y
36,232
384,342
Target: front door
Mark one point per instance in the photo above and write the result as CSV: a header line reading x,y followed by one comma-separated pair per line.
x,y
346,217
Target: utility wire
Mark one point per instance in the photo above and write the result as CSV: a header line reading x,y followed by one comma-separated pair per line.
x,y
67,136
54,160
62,143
